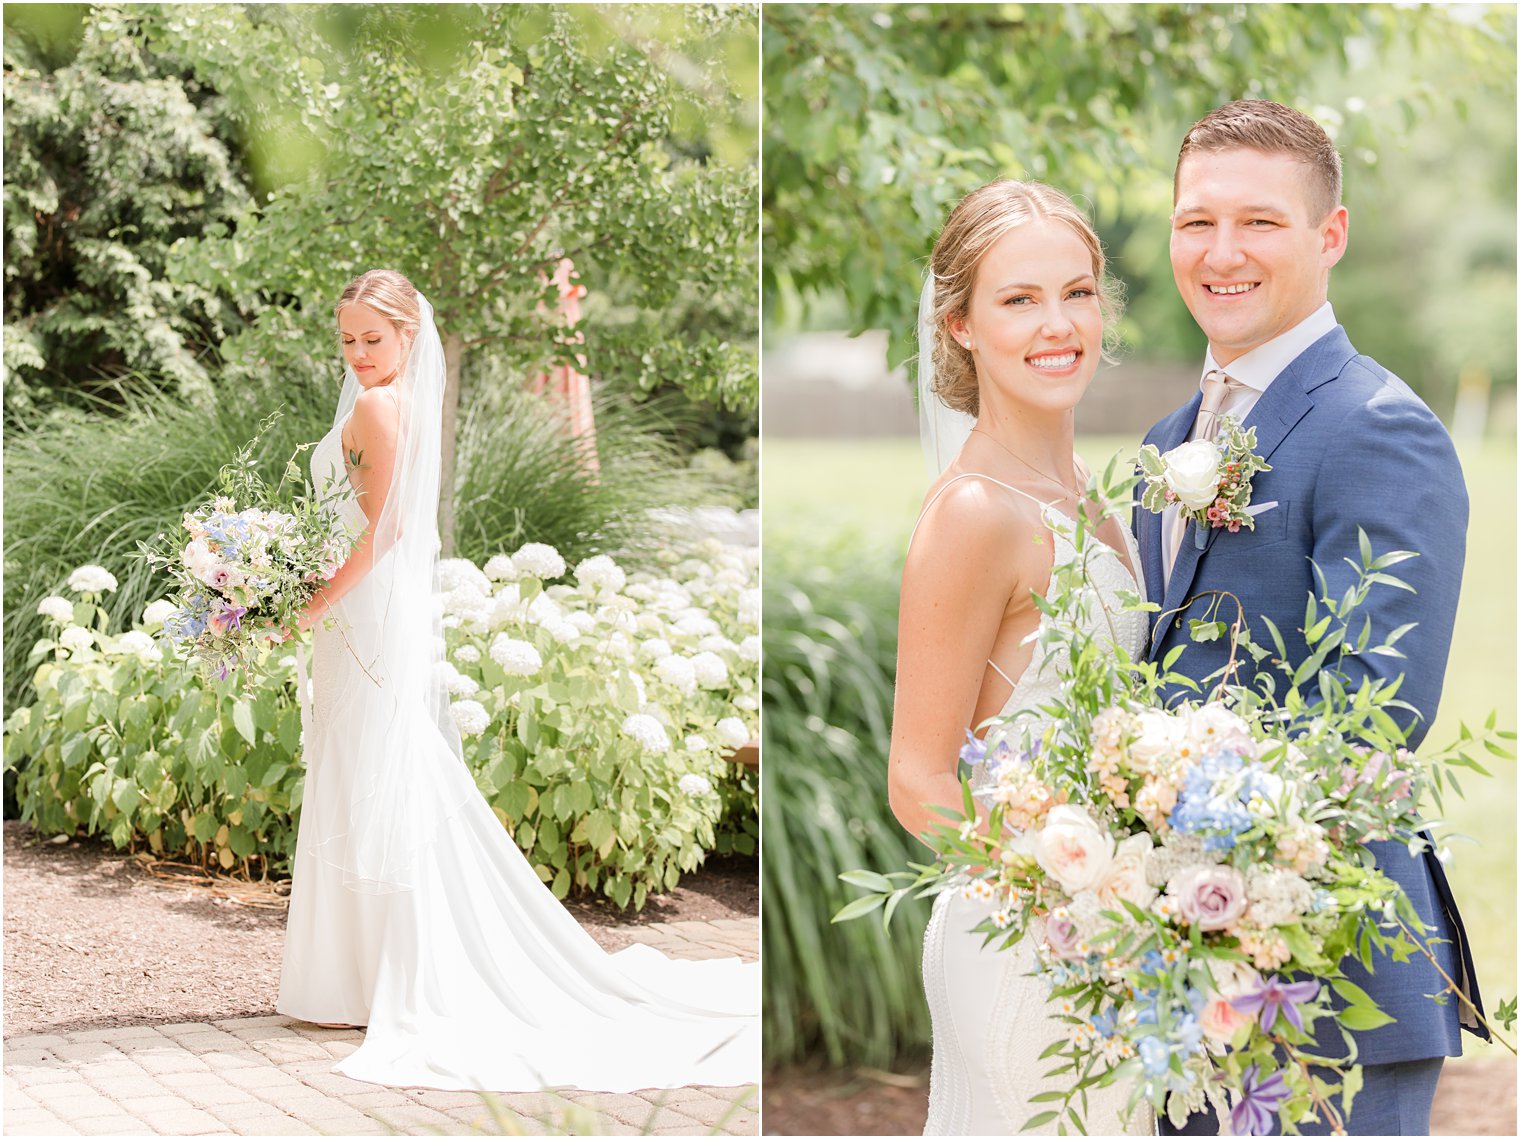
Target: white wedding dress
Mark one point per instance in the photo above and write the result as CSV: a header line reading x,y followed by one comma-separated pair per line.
x,y
988,1013
465,968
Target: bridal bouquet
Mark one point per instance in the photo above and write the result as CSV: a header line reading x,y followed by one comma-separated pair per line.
x,y
1193,873
254,558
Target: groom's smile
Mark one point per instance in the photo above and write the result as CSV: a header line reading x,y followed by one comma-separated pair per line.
x,y
1248,258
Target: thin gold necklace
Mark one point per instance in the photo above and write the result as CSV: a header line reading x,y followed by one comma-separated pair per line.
x,y
1066,490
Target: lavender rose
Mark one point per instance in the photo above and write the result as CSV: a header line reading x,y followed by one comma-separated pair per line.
x,y
1210,897
1061,936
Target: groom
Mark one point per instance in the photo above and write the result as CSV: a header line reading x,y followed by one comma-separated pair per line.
x,y
1257,226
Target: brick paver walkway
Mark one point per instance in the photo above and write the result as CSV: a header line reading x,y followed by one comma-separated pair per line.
x,y
270,1075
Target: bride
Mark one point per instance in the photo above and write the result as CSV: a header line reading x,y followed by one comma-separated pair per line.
x,y
412,912
1011,331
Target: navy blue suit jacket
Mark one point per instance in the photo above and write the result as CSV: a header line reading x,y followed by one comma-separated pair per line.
x,y
1350,445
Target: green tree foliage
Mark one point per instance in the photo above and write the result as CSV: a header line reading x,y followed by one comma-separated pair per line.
x,y
109,159
472,149
879,117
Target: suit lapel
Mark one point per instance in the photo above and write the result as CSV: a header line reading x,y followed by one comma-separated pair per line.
x,y
1168,434
1277,412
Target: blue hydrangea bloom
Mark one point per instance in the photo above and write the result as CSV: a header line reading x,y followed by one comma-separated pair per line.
x,y
1212,802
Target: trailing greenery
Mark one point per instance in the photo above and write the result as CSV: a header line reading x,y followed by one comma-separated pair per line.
x,y
127,742
830,652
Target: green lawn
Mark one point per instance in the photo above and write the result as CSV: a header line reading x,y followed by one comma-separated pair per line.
x,y
813,491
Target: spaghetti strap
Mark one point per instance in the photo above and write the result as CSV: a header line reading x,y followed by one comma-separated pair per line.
x,y
1011,682
977,475
969,475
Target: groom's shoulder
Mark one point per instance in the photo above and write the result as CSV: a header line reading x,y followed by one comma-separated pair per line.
x,y
1364,388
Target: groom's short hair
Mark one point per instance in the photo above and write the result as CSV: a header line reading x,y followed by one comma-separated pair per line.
x,y
1259,124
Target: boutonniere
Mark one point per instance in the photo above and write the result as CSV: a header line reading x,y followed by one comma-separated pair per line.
x,y
1209,478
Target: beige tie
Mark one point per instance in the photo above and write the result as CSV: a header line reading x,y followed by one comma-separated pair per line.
x,y
1216,387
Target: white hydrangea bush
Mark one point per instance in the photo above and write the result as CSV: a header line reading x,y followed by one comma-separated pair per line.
x,y
614,700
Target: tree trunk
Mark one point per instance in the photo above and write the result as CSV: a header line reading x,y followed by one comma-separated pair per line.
x,y
452,349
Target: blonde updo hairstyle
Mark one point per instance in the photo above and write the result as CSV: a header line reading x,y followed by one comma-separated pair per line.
x,y
391,295
977,223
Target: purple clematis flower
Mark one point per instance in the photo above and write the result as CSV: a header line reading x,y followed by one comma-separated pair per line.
x,y
1273,997
974,751
229,617
1256,1109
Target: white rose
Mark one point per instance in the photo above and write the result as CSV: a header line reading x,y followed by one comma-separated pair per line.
x,y
1073,849
1157,736
1126,875
60,609
1192,473
197,557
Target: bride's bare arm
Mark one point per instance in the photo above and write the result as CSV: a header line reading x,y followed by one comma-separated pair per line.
x,y
961,580
371,434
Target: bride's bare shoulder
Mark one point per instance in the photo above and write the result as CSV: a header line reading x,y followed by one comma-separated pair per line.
x,y
968,516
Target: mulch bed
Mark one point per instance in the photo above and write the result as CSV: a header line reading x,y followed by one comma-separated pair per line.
x,y
1476,1097
95,939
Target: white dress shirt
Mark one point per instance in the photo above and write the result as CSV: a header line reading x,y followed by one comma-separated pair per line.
x,y
1255,370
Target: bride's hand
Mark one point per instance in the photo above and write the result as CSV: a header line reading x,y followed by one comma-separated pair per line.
x,y
277,633
311,616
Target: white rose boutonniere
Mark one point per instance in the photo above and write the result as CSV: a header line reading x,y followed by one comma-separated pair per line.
x,y
1191,472
1210,480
